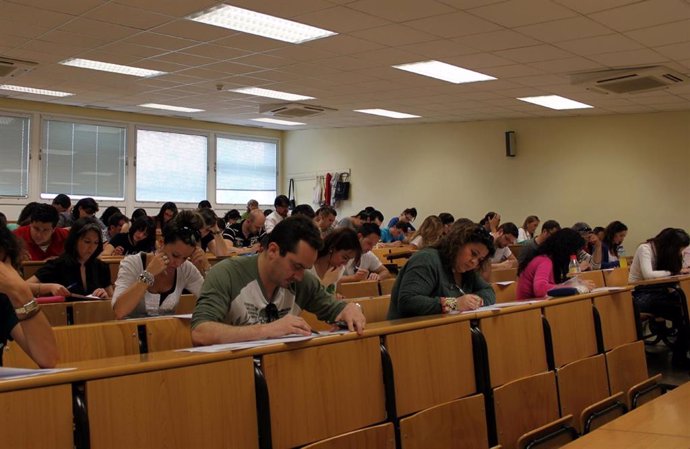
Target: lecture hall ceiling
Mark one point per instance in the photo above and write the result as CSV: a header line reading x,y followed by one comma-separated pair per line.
x,y
530,46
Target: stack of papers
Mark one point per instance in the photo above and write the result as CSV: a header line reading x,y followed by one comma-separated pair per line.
x,y
258,343
18,373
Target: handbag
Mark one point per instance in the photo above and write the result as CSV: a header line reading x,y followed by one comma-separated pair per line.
x,y
342,188
291,194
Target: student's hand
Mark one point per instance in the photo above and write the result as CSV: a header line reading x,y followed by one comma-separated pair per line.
x,y
118,251
289,324
353,316
373,276
159,262
397,243
198,258
589,284
593,239
585,266
361,274
469,302
54,290
101,293
332,275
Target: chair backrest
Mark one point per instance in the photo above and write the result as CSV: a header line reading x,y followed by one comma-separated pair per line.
x,y
627,367
167,408
98,311
505,291
375,437
581,385
617,317
516,249
348,375
428,372
186,305
509,274
314,322
386,286
458,423
515,344
30,267
573,335
616,277
56,313
374,309
168,333
524,405
362,289
596,276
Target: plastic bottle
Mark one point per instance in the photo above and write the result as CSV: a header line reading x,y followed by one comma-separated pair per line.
x,y
622,261
573,266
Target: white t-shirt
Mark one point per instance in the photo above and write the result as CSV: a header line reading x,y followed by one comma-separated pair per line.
x,y
368,262
272,220
644,265
418,242
501,254
523,235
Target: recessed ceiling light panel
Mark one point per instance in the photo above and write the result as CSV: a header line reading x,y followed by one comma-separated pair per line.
x,y
271,94
277,122
31,90
113,68
555,102
386,113
445,72
167,107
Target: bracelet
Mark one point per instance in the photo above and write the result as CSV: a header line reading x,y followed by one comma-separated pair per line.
x,y
28,310
146,278
449,304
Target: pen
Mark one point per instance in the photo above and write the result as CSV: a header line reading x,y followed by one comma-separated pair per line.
x,y
71,286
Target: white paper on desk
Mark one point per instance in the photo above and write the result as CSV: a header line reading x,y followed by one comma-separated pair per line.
x,y
183,316
504,283
248,344
18,373
503,305
607,289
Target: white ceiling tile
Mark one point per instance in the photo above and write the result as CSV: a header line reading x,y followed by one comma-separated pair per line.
x,y
600,44
249,42
128,16
341,20
123,48
564,29
175,8
669,33
148,39
28,15
20,29
590,6
514,13
533,54
231,68
675,51
643,14
300,53
290,9
515,70
453,25
629,58
394,34
401,10
347,63
215,52
343,44
468,4
567,65
72,7
496,40
438,49
99,30
478,61
183,59
192,30
263,61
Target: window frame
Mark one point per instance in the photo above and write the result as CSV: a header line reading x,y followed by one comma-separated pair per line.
x,y
29,142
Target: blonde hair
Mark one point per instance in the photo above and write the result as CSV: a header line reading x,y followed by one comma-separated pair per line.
x,y
431,230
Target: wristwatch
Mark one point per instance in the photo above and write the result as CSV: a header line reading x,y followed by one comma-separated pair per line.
x,y
28,310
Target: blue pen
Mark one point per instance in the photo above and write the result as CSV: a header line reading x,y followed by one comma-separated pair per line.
x,y
71,286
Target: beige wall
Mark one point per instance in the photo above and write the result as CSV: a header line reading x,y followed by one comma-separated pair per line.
x,y
630,167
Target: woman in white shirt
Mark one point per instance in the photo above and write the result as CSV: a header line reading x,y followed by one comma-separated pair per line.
x,y
526,232
152,283
428,233
339,247
659,257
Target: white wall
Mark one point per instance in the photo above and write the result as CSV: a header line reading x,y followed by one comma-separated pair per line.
x,y
596,169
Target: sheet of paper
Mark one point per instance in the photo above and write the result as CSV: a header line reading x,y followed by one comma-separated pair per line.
x,y
18,373
504,283
183,316
607,289
248,344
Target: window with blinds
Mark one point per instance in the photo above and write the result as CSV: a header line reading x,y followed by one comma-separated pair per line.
x,y
171,166
83,159
245,169
14,153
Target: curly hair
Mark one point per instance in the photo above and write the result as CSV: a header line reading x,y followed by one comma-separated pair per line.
x,y
460,234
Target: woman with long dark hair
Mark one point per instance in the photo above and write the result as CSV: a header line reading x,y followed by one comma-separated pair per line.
x,y
141,236
78,270
612,244
339,247
548,266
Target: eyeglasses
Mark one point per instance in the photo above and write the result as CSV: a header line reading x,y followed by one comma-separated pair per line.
x,y
271,313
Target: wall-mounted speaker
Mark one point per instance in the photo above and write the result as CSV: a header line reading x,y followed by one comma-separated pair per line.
x,y
511,147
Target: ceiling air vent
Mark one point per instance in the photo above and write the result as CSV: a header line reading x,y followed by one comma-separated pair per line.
x,y
629,81
292,110
11,68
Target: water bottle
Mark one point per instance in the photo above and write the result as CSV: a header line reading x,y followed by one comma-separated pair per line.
x,y
573,266
622,261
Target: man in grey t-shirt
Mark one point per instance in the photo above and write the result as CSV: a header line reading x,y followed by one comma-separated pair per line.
x,y
259,297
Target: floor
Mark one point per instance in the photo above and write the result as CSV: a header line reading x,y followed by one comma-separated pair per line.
x,y
659,361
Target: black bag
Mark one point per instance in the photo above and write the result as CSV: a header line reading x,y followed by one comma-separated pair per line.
x,y
342,187
291,194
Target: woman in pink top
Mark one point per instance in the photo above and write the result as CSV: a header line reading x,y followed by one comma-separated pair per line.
x,y
549,265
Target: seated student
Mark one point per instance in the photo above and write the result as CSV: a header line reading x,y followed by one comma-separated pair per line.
x,y
204,204
211,236
407,216
428,233
394,236
447,220
136,214
114,225
589,256
612,244
367,266
141,236
304,209
599,232
491,221
251,205
549,228
339,247
62,203
103,222
503,257
444,278
245,237
85,208
78,270
259,297
325,217
660,257
21,318
281,205
376,217
548,268
24,216
42,239
152,283
167,212
231,217
354,221
526,232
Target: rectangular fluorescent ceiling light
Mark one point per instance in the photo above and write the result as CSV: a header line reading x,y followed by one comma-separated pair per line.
x,y
166,107
277,122
252,22
271,94
386,113
31,90
113,68
446,72
555,102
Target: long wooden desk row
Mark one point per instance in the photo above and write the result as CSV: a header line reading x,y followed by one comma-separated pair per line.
x,y
432,371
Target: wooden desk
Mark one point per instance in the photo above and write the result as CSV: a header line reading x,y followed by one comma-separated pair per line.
x,y
612,439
